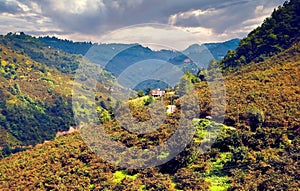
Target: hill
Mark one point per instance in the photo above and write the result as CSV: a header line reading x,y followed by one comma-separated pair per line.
x,y
67,45
256,149
218,50
277,33
40,52
270,88
36,99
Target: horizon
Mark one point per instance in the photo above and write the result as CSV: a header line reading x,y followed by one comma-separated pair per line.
x,y
145,45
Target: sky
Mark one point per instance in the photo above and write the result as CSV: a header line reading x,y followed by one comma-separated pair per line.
x,y
156,23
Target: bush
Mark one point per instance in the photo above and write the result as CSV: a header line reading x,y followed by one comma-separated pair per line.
x,y
255,116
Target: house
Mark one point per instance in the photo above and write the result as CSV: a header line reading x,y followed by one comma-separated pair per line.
x,y
171,109
158,93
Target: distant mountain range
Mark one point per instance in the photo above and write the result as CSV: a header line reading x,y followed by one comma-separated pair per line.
x,y
116,57
218,50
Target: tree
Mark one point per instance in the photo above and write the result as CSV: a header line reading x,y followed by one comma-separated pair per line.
x,y
104,115
141,93
256,117
185,86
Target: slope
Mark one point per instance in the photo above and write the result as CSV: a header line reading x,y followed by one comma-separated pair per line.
x,y
40,52
276,34
269,90
255,155
36,99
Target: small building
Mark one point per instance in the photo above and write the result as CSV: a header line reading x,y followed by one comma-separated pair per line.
x,y
158,93
171,109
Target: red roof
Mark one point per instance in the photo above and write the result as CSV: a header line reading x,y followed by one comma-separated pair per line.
x,y
158,93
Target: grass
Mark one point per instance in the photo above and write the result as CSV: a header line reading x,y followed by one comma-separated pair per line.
x,y
215,177
218,183
120,175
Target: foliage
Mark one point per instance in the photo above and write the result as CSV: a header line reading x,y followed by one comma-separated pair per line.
x,y
269,92
255,116
276,34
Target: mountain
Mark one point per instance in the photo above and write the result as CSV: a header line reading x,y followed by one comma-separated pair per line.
x,y
34,99
197,56
219,50
40,52
112,55
67,45
277,33
270,87
116,58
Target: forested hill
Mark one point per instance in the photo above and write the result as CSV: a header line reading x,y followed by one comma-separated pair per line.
x,y
35,91
40,52
67,45
277,33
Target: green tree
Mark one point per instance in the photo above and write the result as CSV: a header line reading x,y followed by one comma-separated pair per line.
x,y
104,115
141,93
255,116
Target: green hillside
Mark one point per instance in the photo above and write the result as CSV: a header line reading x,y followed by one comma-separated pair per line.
x,y
40,52
36,99
277,33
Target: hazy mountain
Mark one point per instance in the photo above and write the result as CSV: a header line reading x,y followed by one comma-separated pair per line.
x,y
117,57
219,50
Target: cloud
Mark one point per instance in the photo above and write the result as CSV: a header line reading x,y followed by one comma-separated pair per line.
x,y
211,20
222,18
10,7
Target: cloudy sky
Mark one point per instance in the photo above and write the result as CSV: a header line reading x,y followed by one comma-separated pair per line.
x,y
145,21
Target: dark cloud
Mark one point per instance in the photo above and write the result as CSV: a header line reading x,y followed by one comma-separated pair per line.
x,y
103,15
222,17
91,17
